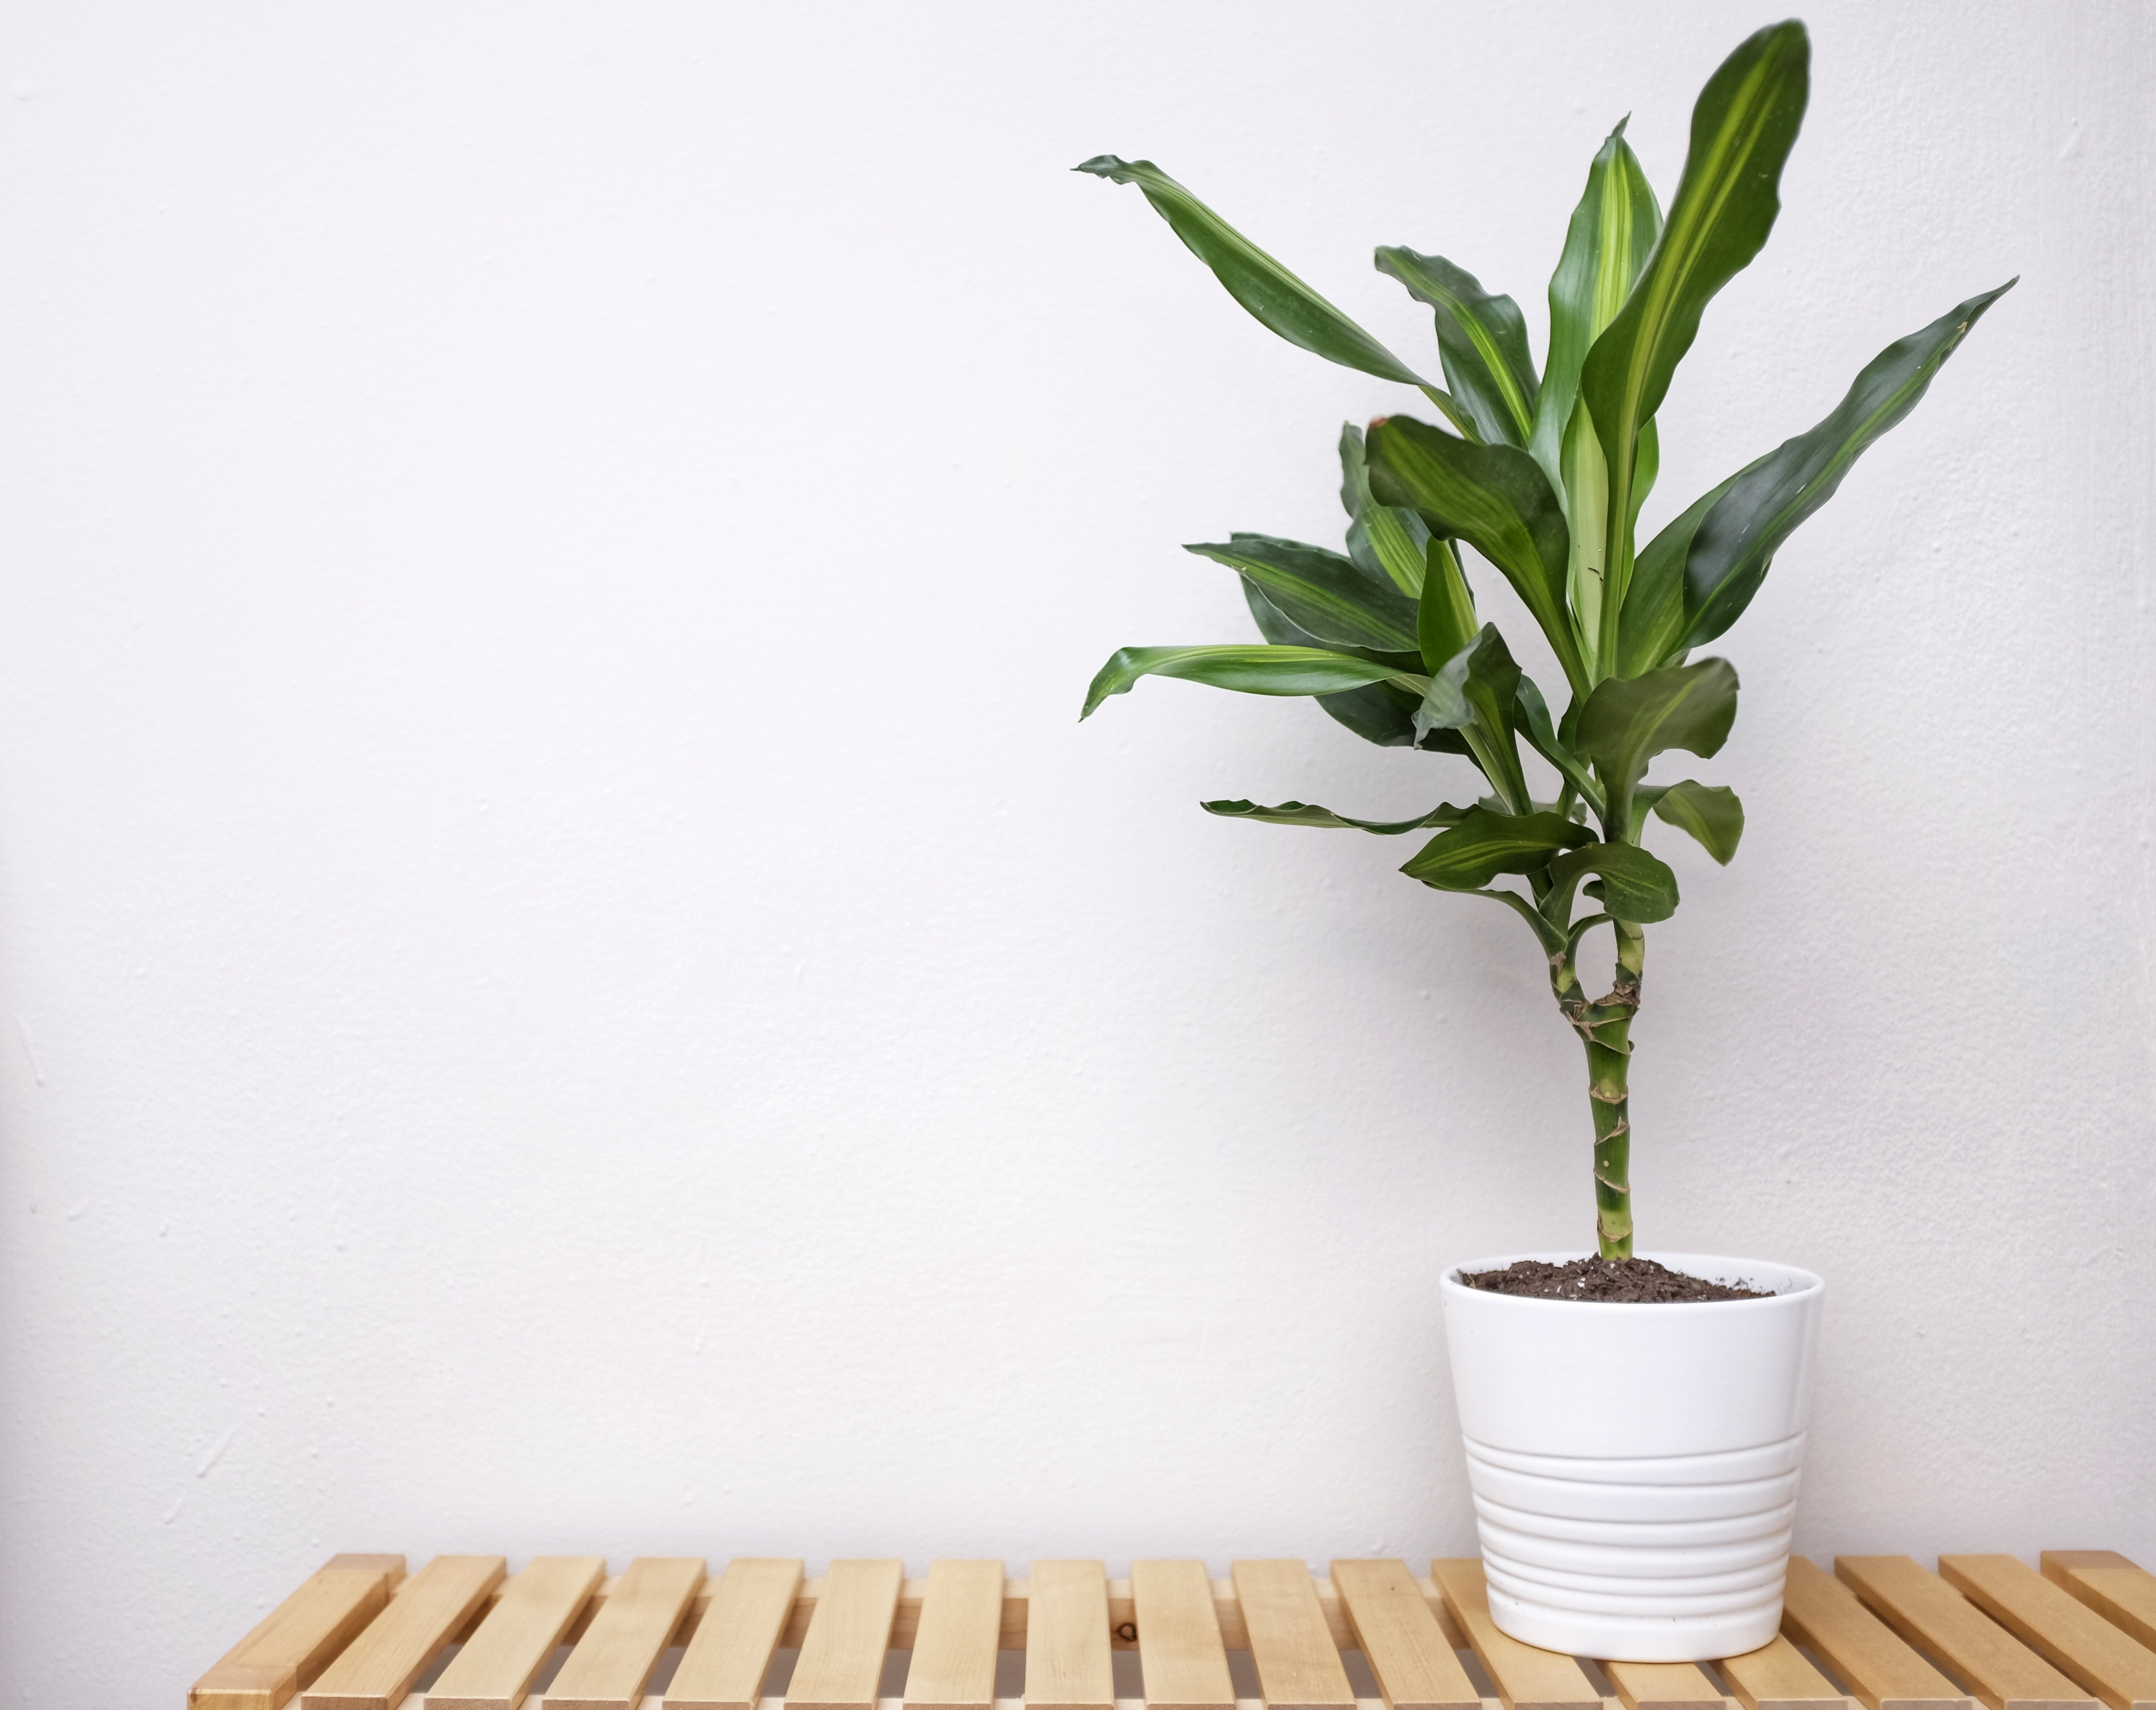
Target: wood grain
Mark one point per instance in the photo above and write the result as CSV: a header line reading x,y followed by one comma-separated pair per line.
x,y
2060,1628
954,1647
1778,1676
1298,1663
842,1654
1067,1665
1664,1685
2116,1589
1180,1653
625,1641
1527,1678
1923,1609
745,1609
376,1671
496,1667
291,1645
1407,1650
1882,1672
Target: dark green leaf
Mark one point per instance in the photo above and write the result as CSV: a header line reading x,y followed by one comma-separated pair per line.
x,y
1742,128
1380,538
1484,844
1276,296
1496,498
1612,231
1481,338
1737,540
1710,813
1445,616
1652,633
1477,692
1628,721
1321,593
1384,713
1306,813
1250,670
1635,886
1533,722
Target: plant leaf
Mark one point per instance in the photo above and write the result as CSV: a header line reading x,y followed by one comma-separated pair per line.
x,y
1533,722
1380,538
1308,814
1484,844
1711,812
1497,499
1628,721
1274,296
1636,886
1742,128
1477,692
1321,592
1481,338
1263,669
1382,713
1652,633
1445,616
1762,506
1612,231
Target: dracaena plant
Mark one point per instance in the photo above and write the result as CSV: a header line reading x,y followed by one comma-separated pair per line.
x,y
1543,475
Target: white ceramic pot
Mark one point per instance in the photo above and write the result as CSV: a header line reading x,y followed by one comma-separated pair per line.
x,y
1634,1467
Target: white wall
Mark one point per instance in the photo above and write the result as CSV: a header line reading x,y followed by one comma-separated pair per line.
x,y
571,982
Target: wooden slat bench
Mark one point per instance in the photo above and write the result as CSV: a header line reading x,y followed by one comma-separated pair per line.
x,y
1882,1631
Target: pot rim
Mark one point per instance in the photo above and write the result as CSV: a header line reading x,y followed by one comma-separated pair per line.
x,y
1804,1285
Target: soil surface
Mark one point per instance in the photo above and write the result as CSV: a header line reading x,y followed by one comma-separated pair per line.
x,y
1629,1281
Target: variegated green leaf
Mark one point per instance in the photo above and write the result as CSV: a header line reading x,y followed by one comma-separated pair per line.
x,y
1711,812
1278,299
1249,670
1308,814
1380,538
1652,633
1742,131
1475,692
1628,721
1382,713
1485,845
1445,616
1737,540
1481,338
1635,886
1323,593
1496,498
1533,722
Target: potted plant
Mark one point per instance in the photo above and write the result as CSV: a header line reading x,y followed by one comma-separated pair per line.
x,y
1634,1422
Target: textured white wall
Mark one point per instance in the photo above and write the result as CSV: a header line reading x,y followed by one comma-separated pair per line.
x,y
571,980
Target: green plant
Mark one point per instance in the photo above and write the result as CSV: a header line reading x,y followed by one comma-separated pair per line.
x,y
1544,479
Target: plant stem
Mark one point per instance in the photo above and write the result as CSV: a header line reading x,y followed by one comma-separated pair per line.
x,y
1605,1027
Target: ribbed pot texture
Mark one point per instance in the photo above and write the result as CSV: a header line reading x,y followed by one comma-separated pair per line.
x,y
1634,1467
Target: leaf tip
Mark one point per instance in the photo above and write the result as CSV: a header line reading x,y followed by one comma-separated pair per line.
x,y
1104,166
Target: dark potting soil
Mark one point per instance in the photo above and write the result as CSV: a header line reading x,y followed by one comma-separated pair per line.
x,y
1631,1281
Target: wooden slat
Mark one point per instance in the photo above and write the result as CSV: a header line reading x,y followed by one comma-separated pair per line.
x,y
2121,1592
1179,1650
1298,1663
1067,1666
295,1640
613,1661
495,1668
1778,1676
376,1669
745,1610
1926,1610
2060,1628
1400,1637
954,1649
1661,1686
842,1655
1527,1678
1882,1672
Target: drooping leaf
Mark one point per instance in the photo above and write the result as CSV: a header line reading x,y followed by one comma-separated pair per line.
x,y
1484,844
1323,593
1736,540
1382,713
1636,886
1711,812
1308,814
1628,721
1612,231
1743,127
1445,616
1533,722
1481,338
1652,633
1249,670
1497,499
1382,538
1477,692
1279,300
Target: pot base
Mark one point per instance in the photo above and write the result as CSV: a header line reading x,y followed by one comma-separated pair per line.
x,y
1635,1638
